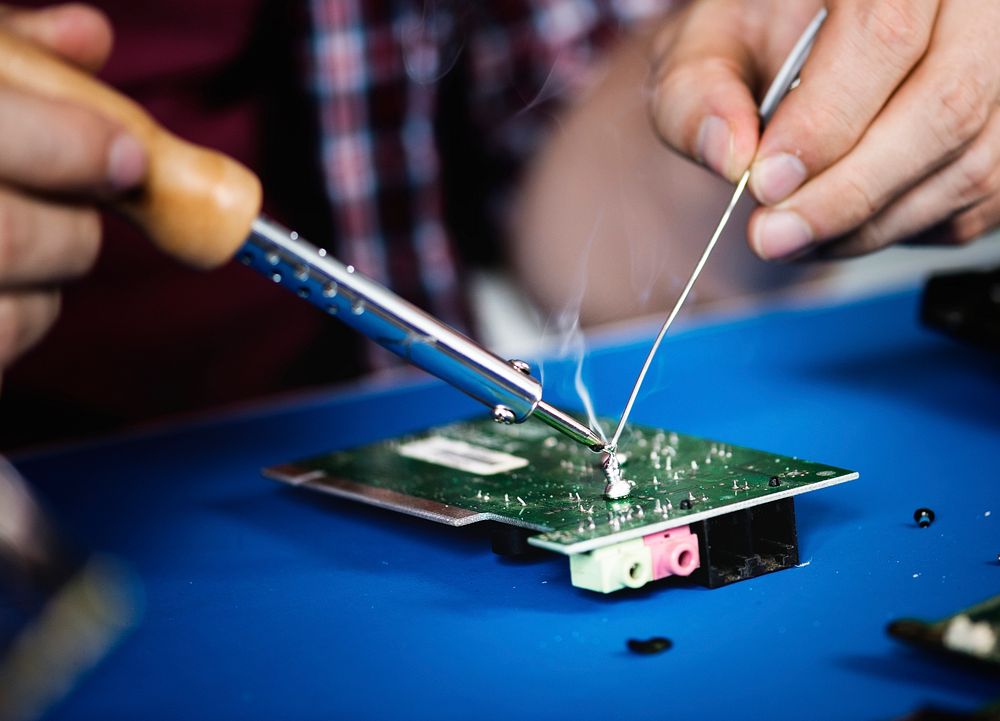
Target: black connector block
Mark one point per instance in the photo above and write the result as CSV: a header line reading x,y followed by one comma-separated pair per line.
x,y
511,541
746,544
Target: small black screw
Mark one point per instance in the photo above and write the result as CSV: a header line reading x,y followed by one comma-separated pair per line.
x,y
924,517
774,482
686,504
649,646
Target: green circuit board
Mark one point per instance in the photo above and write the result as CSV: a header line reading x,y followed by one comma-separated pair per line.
x,y
529,475
973,633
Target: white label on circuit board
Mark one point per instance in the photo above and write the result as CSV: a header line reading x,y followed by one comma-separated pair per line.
x,y
461,456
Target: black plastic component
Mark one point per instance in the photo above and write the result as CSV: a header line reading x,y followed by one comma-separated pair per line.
x,y
774,481
511,541
649,646
965,305
923,517
930,637
746,544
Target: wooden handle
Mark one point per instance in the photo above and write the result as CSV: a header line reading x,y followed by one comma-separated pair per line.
x,y
196,204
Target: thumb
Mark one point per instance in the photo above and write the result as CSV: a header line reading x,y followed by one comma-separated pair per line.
x,y
702,101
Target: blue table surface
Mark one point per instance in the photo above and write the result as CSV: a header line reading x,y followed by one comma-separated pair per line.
x,y
267,602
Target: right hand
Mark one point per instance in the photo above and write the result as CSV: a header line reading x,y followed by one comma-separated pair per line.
x,y
57,161
892,135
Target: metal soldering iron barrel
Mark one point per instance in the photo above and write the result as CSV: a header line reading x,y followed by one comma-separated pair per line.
x,y
569,426
390,321
507,387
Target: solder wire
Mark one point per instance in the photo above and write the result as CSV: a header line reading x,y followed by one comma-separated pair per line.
x,y
783,82
740,187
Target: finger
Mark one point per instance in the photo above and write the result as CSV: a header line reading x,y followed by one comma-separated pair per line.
x,y
54,146
972,223
702,104
922,214
863,52
968,225
942,108
24,319
79,33
43,242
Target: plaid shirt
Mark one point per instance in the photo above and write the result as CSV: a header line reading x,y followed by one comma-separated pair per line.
x,y
377,72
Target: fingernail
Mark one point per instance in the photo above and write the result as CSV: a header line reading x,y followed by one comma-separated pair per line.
x,y
775,178
126,162
779,234
715,144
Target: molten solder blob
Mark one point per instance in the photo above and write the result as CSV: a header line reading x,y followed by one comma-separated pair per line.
x,y
616,486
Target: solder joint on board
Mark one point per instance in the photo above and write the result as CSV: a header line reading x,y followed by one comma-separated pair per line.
x,y
616,485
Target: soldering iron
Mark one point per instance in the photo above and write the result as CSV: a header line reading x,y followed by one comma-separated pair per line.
x,y
203,208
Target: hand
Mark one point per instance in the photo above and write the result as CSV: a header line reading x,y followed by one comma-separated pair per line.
x,y
56,161
891,136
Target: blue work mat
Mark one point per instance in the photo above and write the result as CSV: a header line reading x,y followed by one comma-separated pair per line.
x,y
265,602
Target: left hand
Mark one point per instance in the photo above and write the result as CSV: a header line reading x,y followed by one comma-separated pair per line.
x,y
893,134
